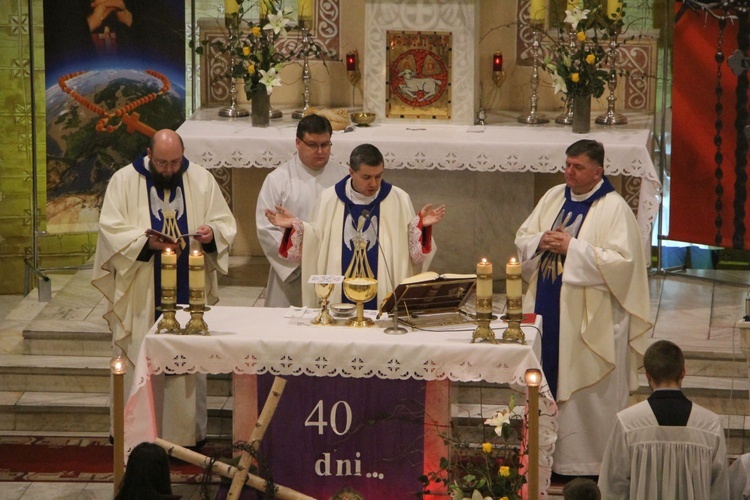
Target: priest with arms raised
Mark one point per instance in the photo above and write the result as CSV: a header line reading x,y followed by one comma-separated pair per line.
x,y
399,241
582,256
163,191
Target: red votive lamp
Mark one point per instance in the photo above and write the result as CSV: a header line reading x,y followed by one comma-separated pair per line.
x,y
351,61
497,61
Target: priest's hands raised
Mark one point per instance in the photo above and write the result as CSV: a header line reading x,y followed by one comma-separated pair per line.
x,y
431,216
281,217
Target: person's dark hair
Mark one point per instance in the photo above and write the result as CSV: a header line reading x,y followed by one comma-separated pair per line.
x,y
581,488
664,362
147,474
365,154
589,147
313,124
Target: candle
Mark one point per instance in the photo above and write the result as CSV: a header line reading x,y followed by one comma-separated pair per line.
x,y
484,287
304,9
538,10
168,269
513,286
231,7
351,61
497,61
197,277
614,9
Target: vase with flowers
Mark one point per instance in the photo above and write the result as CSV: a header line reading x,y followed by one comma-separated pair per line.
x,y
577,63
254,49
490,470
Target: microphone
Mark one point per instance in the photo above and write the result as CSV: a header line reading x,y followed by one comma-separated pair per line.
x,y
394,329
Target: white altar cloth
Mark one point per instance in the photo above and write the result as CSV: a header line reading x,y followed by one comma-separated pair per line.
x,y
252,340
503,147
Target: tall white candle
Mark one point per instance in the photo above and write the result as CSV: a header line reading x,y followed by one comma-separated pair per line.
x,y
197,276
168,269
484,286
513,284
538,10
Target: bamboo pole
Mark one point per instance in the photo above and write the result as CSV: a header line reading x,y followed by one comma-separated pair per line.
x,y
269,408
226,470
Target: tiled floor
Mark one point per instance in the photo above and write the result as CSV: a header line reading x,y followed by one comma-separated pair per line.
x,y
699,313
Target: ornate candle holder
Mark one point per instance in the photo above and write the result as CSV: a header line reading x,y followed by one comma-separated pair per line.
x,y
306,76
196,325
483,331
514,333
566,117
611,117
534,118
233,111
168,322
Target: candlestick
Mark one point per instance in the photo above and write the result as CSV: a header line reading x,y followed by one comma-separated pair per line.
x,y
483,293
533,377
534,118
611,117
538,10
513,301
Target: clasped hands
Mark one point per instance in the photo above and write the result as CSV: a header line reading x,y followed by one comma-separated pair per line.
x,y
555,241
101,9
282,217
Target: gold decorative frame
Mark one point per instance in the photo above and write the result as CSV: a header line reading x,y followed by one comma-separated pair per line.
x,y
418,74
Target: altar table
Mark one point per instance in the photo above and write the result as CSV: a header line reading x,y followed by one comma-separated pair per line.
x,y
251,341
501,147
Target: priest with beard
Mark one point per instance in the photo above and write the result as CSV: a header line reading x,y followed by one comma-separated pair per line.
x,y
165,192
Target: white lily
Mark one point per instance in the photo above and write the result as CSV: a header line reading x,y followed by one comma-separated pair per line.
x,y
558,83
575,16
277,22
498,420
270,79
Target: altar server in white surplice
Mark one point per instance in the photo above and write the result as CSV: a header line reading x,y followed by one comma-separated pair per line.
x,y
296,185
581,254
666,447
399,241
165,192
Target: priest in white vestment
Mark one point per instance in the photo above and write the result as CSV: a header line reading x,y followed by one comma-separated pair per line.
x,y
581,254
296,185
165,192
399,241
666,447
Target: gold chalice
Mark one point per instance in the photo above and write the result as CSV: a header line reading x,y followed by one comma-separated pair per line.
x,y
360,290
323,291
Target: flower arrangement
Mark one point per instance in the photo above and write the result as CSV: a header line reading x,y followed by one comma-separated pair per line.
x,y
490,471
577,62
252,46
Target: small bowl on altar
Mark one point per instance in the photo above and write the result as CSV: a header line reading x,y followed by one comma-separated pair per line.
x,y
343,311
362,119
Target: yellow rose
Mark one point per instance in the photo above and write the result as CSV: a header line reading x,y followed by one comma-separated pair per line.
x,y
591,59
575,77
581,36
256,31
245,51
487,447
504,470
251,69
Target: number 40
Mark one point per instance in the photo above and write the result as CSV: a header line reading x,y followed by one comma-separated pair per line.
x,y
317,419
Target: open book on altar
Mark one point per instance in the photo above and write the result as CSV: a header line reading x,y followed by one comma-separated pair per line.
x,y
429,293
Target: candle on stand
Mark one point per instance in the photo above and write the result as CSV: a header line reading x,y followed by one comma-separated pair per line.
x,y
513,286
614,9
168,269
538,11
231,7
304,9
197,277
484,287
264,8
497,61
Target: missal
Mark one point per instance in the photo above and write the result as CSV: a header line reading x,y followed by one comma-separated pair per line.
x,y
430,293
166,237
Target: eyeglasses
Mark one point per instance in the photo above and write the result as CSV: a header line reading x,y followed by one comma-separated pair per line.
x,y
315,146
164,163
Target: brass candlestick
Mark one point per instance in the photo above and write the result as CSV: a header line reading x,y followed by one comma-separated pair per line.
x,y
196,325
611,117
514,333
483,331
168,322
534,118
306,75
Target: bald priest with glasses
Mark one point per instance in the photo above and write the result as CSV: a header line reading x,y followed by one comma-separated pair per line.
x,y
297,185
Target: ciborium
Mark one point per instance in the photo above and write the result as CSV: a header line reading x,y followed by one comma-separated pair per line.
x,y
323,291
359,290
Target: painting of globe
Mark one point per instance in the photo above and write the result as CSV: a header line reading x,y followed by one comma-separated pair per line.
x,y
98,122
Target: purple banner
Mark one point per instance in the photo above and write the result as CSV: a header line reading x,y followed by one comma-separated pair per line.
x,y
335,432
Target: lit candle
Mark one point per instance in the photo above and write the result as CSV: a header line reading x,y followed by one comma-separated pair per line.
x,y
614,9
484,287
168,269
513,285
538,10
497,61
197,276
304,9
231,7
